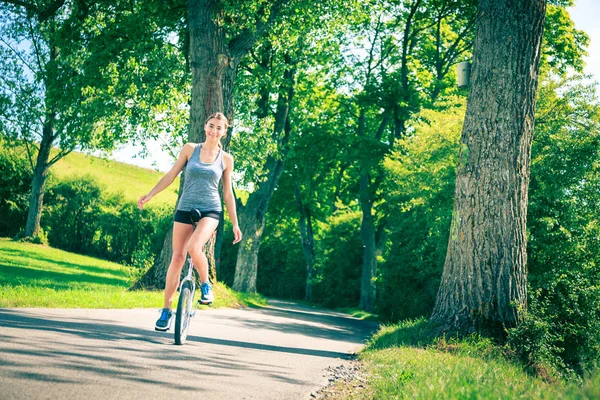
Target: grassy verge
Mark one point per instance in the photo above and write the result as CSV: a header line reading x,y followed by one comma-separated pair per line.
x,y
40,276
405,362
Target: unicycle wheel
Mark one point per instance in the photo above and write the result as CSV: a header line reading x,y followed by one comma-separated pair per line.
x,y
183,315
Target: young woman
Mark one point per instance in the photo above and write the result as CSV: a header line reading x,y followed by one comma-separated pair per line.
x,y
205,164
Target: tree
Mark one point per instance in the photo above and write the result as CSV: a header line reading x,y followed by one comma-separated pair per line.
x,y
253,213
312,171
219,35
484,279
265,131
408,51
68,83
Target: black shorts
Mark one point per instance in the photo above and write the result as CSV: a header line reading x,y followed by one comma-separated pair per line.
x,y
185,217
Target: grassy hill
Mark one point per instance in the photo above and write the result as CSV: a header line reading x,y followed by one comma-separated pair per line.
x,y
117,177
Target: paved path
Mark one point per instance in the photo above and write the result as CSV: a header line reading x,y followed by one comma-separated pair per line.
x,y
276,352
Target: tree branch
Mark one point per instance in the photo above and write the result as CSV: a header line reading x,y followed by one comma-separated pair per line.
x,y
36,48
371,56
407,37
50,11
29,156
240,45
18,54
382,126
60,155
454,49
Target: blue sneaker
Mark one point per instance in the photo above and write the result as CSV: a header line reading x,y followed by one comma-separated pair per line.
x,y
164,322
207,296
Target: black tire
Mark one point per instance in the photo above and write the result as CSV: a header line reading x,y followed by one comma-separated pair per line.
x,y
182,317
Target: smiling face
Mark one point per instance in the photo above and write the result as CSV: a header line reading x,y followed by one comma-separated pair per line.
x,y
215,129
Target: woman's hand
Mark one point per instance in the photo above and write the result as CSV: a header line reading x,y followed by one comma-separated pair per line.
x,y
237,234
144,199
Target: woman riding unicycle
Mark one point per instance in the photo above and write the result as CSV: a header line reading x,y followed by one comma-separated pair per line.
x,y
205,165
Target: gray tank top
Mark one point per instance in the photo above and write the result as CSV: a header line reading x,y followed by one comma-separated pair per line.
x,y
201,186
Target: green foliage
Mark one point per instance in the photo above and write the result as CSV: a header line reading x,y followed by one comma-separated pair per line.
x,y
15,183
94,74
72,213
40,238
419,194
534,341
80,217
563,45
338,268
281,265
562,327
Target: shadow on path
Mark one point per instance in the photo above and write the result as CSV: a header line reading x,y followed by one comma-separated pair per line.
x,y
108,349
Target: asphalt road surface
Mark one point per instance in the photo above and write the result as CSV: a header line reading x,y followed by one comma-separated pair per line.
x,y
277,352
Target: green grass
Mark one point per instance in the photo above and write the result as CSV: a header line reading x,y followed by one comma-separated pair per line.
x,y
39,276
117,177
405,361
358,313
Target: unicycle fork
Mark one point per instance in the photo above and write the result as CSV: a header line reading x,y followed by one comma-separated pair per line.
x,y
185,305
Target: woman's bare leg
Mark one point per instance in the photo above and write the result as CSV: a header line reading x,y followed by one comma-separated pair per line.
x,y
181,236
204,230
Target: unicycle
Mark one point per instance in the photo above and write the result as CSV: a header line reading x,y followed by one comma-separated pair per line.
x,y
185,305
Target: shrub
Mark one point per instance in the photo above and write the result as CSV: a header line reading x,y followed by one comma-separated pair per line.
x,y
80,217
339,262
15,186
560,332
72,213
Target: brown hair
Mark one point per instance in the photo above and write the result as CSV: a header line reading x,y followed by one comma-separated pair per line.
x,y
221,117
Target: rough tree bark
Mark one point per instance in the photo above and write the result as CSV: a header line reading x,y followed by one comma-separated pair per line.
x,y
484,280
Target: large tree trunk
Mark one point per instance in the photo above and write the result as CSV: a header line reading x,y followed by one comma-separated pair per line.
x,y
484,281
307,238
209,57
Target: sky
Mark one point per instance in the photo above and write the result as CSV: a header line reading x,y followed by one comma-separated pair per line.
x,y
585,14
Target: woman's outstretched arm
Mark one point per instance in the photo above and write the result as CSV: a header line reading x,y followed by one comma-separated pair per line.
x,y
170,176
